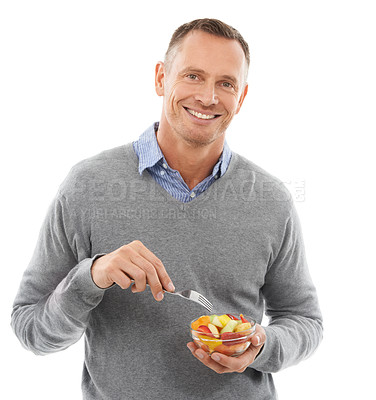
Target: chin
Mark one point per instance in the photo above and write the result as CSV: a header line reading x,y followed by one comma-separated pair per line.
x,y
197,136
199,140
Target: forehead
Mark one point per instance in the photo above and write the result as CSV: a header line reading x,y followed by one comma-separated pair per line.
x,y
210,53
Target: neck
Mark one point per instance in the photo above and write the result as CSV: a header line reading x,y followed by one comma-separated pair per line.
x,y
193,162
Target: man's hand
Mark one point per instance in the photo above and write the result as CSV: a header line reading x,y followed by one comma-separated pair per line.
x,y
222,364
132,262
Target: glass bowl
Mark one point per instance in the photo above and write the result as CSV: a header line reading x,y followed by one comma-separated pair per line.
x,y
231,344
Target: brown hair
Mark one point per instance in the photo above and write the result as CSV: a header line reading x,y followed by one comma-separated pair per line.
x,y
208,25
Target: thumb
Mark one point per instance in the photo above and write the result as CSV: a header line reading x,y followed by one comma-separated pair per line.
x,y
259,338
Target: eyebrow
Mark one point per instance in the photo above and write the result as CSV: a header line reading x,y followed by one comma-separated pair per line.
x,y
202,72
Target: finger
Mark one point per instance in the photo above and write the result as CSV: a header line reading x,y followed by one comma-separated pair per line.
x,y
192,347
203,357
120,278
234,363
136,274
163,276
222,363
151,276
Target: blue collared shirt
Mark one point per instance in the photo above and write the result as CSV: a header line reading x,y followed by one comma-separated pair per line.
x,y
151,158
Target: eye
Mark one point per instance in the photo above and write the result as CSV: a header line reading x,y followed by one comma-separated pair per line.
x,y
228,85
192,77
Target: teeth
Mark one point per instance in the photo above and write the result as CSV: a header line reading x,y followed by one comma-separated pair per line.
x,y
199,115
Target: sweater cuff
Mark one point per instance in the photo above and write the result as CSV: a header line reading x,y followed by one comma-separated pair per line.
x,y
84,278
77,293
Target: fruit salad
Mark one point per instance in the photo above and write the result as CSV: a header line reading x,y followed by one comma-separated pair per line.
x,y
226,333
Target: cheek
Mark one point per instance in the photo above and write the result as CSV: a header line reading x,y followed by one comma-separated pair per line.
x,y
231,106
174,94
171,103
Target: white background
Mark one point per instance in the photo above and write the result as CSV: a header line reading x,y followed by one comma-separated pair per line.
x,y
77,77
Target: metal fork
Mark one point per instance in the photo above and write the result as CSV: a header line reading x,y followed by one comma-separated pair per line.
x,y
193,296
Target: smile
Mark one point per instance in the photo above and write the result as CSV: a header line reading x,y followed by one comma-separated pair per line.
x,y
200,115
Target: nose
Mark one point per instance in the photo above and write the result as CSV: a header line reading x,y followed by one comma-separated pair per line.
x,y
206,94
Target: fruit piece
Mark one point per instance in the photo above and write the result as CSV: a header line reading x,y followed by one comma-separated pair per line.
x,y
210,342
215,321
213,330
230,326
204,328
233,350
204,332
224,319
233,338
226,350
240,348
212,317
203,320
243,319
243,327
232,317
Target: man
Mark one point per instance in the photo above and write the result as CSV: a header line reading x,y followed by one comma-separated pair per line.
x,y
178,209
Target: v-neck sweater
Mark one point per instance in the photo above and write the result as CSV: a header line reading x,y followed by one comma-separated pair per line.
x,y
239,244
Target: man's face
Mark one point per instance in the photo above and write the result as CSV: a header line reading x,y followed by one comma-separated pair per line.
x,y
203,87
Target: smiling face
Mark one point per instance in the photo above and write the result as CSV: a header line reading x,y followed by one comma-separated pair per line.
x,y
203,88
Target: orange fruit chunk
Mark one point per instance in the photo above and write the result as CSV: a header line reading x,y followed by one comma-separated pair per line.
x,y
204,320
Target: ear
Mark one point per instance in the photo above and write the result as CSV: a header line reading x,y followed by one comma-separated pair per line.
x,y
242,97
159,78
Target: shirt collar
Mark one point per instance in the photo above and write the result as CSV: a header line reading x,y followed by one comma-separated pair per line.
x,y
224,161
149,153
147,149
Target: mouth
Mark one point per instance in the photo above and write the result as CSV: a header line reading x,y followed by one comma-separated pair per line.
x,y
200,115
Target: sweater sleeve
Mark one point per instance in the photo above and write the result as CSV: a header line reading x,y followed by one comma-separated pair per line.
x,y
295,321
56,294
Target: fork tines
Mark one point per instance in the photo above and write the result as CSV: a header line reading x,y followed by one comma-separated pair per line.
x,y
206,303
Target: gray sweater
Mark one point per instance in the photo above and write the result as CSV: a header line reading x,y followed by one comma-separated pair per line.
x,y
239,243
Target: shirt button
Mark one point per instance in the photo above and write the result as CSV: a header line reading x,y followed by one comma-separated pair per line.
x,y
192,195
216,176
163,172
164,165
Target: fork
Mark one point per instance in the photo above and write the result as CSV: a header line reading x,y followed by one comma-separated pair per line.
x,y
192,295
